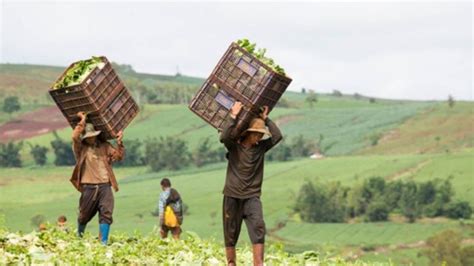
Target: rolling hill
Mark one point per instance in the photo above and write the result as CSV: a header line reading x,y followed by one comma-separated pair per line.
x,y
397,140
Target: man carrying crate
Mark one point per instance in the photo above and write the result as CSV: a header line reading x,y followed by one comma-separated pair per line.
x,y
244,178
93,175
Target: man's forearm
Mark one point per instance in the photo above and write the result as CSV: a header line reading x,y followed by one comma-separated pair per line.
x,y
227,131
274,130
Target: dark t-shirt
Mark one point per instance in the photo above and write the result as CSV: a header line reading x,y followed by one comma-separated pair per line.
x,y
245,165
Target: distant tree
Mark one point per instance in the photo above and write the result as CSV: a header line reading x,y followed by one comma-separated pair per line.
x,y
39,154
374,139
371,100
63,151
426,192
303,90
321,203
300,147
11,104
451,101
377,211
166,153
445,191
357,96
356,202
435,203
459,210
134,155
393,193
306,202
204,154
312,98
374,187
408,201
337,202
337,93
282,152
10,154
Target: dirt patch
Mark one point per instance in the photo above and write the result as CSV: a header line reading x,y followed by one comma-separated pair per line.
x,y
408,171
391,135
32,124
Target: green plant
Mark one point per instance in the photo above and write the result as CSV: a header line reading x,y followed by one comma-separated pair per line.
x,y
166,153
77,73
53,246
260,54
134,154
39,154
11,104
377,211
10,154
63,151
459,210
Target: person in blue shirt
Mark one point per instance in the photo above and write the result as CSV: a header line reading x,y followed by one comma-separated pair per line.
x,y
169,196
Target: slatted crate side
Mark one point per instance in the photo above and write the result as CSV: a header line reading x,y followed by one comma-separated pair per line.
x,y
239,76
97,103
247,75
116,116
213,106
98,89
202,103
95,92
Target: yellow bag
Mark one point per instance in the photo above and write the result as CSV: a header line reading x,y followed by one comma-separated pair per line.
x,y
170,217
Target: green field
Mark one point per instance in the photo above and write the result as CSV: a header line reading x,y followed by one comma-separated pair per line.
x,y
47,191
347,128
415,141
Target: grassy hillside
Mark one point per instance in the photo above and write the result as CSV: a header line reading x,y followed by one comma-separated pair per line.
x,y
27,192
346,129
32,82
406,140
438,128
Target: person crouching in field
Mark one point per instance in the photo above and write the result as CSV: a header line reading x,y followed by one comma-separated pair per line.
x,y
171,218
93,175
61,223
243,182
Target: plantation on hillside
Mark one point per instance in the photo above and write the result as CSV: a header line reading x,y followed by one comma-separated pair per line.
x,y
360,137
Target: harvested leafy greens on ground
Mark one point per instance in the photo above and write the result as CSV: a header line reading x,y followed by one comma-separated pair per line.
x,y
260,55
78,72
56,247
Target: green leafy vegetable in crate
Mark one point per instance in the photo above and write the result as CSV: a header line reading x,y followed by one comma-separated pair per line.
x,y
260,54
76,74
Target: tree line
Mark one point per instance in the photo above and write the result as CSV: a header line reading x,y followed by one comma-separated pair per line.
x,y
375,198
170,153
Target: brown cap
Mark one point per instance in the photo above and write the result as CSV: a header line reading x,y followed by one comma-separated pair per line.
x,y
258,125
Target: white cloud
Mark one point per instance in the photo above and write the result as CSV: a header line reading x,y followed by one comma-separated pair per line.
x,y
396,50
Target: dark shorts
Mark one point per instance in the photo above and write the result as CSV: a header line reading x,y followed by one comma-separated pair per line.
x,y
96,198
235,210
174,230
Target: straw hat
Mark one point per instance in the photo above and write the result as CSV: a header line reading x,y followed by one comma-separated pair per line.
x,y
90,131
258,125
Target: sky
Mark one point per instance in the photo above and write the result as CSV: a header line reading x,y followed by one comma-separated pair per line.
x,y
396,50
